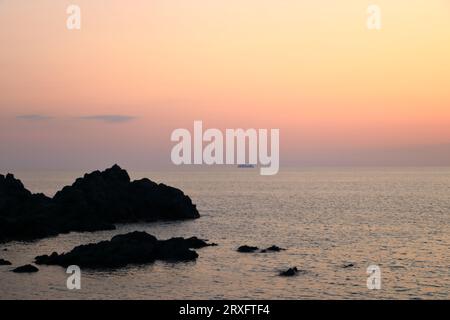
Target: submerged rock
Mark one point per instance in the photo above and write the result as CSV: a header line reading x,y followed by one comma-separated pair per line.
x,y
132,248
26,269
273,249
94,202
247,249
289,272
348,265
4,262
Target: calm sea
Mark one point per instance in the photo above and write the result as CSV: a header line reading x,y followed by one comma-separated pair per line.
x,y
396,218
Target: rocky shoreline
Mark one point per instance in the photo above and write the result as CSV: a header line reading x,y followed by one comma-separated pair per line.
x,y
95,202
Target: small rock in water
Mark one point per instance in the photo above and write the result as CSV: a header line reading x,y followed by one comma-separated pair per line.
x,y
4,262
289,272
26,269
247,249
196,243
273,249
348,265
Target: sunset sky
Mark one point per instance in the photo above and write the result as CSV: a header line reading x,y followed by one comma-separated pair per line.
x,y
114,91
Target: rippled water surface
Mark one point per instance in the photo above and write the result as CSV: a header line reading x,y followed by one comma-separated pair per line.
x,y
398,219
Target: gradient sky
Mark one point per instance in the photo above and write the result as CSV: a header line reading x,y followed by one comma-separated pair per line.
x,y
114,90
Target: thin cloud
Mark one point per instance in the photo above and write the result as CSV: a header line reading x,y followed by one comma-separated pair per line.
x,y
33,117
109,118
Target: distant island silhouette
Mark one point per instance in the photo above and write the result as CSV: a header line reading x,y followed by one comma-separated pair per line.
x,y
94,202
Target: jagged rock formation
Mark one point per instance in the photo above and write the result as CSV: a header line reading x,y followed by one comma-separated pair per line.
x,y
95,202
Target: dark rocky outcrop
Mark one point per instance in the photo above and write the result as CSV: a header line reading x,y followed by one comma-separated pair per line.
x,y
23,215
246,249
121,250
26,269
4,262
289,272
95,202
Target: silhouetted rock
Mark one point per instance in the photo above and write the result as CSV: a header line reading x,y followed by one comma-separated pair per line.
x,y
289,272
246,249
121,250
196,243
273,249
26,269
348,265
23,215
4,262
95,202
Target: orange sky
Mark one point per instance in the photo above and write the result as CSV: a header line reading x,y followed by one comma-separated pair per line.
x,y
339,93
